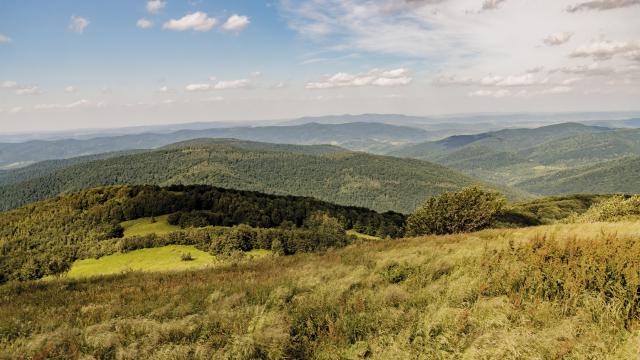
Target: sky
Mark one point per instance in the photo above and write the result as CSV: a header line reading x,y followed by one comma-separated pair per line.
x,y
96,64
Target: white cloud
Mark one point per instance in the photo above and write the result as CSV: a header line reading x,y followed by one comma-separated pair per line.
x,y
163,89
220,85
236,22
8,84
78,24
198,87
256,74
28,90
197,21
491,4
16,109
375,77
70,89
73,105
144,24
605,50
4,39
593,69
154,6
231,84
602,5
527,79
558,38
571,81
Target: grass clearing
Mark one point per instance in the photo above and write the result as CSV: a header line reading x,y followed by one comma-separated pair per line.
x,y
166,258
362,236
147,225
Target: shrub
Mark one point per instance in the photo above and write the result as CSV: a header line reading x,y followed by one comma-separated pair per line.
x,y
616,208
455,212
186,257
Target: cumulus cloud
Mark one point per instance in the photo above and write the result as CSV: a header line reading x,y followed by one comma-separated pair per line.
x,y
163,89
231,84
4,39
198,87
527,79
154,6
593,69
602,5
8,84
73,105
144,24
220,85
558,38
491,4
28,90
70,89
236,22
198,21
605,50
374,77
78,24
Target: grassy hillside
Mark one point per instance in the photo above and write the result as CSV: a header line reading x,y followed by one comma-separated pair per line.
x,y
553,292
323,172
356,136
615,176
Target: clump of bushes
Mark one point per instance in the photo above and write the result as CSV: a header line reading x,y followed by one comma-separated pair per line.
x,y
616,208
468,210
186,257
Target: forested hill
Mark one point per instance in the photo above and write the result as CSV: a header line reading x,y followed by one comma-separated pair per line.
x,y
355,136
45,237
615,176
348,178
516,156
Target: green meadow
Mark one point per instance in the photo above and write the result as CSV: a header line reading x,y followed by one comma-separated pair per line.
x,y
148,225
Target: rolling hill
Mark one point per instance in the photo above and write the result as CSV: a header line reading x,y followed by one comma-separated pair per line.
x,y
614,176
355,136
324,172
514,156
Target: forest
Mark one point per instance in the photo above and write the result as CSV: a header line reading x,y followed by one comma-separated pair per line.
x,y
45,238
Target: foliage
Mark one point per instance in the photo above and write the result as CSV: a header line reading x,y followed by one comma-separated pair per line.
x,y
335,175
468,210
547,210
613,176
553,292
615,208
45,238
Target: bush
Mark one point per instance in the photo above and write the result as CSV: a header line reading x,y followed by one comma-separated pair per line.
x,y
616,208
455,212
186,257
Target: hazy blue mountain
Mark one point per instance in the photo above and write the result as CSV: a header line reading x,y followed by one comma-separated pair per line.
x,y
355,136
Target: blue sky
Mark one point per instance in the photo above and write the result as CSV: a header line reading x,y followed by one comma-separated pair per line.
x,y
88,63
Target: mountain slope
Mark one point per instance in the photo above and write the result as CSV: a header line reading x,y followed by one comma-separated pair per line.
x,y
516,155
348,178
355,136
615,176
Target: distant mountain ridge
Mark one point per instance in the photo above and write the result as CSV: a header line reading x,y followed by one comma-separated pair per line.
x,y
355,136
514,156
324,172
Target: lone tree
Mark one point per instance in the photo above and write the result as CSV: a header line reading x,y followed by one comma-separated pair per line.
x,y
468,210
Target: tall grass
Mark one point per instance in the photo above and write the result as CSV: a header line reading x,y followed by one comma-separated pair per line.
x,y
539,293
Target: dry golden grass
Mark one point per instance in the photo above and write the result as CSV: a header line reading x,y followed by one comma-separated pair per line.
x,y
434,297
